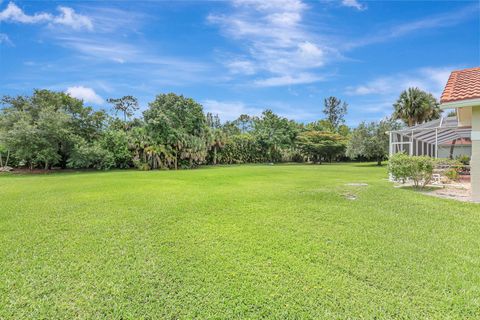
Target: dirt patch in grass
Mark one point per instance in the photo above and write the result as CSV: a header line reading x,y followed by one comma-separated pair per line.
x,y
460,191
456,191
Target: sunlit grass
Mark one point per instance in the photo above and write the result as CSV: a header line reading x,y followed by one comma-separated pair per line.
x,y
234,242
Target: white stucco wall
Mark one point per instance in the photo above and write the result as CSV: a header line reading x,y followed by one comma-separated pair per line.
x,y
475,162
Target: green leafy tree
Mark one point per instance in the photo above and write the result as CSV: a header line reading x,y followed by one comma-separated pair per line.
x,y
4,155
344,130
213,121
178,122
127,105
245,123
230,128
274,133
42,129
415,106
91,155
335,111
21,137
320,125
321,145
116,142
370,140
36,140
242,148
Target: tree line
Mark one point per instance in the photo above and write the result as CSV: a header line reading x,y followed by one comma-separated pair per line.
x,y
54,130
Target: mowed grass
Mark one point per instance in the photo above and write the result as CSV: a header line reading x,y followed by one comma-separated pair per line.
x,y
239,242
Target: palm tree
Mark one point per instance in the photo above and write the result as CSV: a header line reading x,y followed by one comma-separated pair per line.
x,y
159,156
138,142
215,141
415,106
194,150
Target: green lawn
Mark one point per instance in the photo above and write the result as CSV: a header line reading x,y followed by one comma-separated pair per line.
x,y
244,242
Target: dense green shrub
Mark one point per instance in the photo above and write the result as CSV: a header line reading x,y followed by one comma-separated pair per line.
x,y
92,156
116,142
242,148
418,169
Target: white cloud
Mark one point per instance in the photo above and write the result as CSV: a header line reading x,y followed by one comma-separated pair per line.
x,y
229,110
242,66
4,39
310,54
438,76
85,94
432,22
15,14
100,48
67,17
286,80
429,79
274,40
354,4
134,59
288,5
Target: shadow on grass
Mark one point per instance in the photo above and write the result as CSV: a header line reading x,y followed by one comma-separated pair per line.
x,y
425,189
368,165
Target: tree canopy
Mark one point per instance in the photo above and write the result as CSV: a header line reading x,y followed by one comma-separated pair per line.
x,y
127,105
178,123
54,130
370,140
321,145
335,111
44,128
415,106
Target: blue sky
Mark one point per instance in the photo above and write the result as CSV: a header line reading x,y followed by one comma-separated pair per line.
x,y
239,56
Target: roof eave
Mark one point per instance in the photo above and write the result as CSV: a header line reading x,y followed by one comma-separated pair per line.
x,y
461,104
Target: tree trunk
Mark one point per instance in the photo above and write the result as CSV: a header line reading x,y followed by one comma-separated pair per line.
x,y
63,156
1,161
215,155
452,147
8,156
176,161
379,161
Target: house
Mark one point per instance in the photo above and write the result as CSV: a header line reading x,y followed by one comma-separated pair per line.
x,y
449,136
462,93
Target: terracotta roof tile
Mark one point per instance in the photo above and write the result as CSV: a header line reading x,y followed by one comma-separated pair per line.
x,y
459,142
462,85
